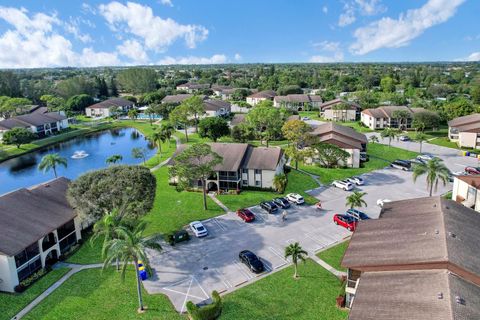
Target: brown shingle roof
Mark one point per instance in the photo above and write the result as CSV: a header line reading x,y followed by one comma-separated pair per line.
x,y
237,119
416,232
329,104
267,94
415,295
176,98
298,98
215,105
473,181
339,135
465,120
31,119
114,102
387,111
27,215
262,158
192,85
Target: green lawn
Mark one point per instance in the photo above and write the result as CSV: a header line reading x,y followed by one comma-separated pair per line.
x,y
445,142
279,296
333,256
355,125
172,210
297,182
88,252
311,114
442,132
93,294
11,304
380,157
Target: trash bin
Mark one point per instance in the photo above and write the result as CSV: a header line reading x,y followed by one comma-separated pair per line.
x,y
467,153
143,274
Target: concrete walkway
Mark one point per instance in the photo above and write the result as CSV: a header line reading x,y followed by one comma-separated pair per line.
x,y
74,268
220,204
158,166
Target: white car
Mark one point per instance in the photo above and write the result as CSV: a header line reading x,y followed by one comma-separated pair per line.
x,y
356,180
198,229
343,184
425,157
295,198
305,118
381,202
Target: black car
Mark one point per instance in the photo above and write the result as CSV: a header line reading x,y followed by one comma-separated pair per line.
x,y
402,165
282,203
269,206
364,157
251,260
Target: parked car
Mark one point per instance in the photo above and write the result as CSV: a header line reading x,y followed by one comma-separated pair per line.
x,y
472,170
381,202
282,203
246,215
269,206
348,222
404,138
176,237
404,165
357,214
251,260
305,118
356,180
364,157
198,229
425,157
295,198
343,184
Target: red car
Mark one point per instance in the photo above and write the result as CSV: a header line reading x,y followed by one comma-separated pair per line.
x,y
345,221
472,170
246,215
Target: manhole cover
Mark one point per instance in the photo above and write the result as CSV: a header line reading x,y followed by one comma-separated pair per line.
x,y
205,268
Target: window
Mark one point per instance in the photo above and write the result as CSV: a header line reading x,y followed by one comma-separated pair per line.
x,y
258,183
245,171
245,182
27,254
29,269
66,229
258,171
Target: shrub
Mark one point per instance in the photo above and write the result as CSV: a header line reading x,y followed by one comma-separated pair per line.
x,y
24,284
208,312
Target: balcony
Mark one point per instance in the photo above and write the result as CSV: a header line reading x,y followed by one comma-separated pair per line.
x,y
228,178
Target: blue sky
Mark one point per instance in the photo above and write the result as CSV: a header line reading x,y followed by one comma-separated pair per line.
x,y
91,33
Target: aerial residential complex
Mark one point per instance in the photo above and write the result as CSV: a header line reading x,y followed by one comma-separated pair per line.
x,y
388,117
464,131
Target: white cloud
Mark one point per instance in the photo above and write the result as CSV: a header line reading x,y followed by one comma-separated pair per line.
x,y
325,9
348,16
327,46
32,42
370,7
133,50
167,3
215,59
363,7
156,33
337,57
237,57
394,33
73,27
475,56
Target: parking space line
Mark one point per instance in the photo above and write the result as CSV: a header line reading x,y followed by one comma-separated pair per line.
x,y
182,293
275,252
201,288
239,267
224,280
320,244
219,224
265,265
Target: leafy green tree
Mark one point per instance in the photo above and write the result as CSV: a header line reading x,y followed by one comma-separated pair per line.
x,y
18,136
78,103
14,106
329,155
152,97
355,200
196,162
129,187
137,80
167,130
195,108
130,246
242,133
290,89
435,171
9,84
113,159
133,114
402,117
296,154
180,116
267,121
390,134
425,119
280,182
140,153
101,87
475,93
387,84
240,94
373,139
420,137
296,252
51,161
213,128
53,103
76,86
458,108
112,88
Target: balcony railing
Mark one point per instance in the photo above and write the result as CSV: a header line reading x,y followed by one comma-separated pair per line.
x,y
228,178
352,283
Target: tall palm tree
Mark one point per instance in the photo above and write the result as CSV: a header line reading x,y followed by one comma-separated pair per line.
x,y
280,182
158,137
133,114
420,137
130,246
139,153
114,159
373,139
167,129
106,227
297,253
51,161
355,200
435,170
389,133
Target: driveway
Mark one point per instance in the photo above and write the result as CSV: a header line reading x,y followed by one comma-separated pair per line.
x,y
190,271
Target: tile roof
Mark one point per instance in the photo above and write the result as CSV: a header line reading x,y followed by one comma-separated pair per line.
x,y
27,215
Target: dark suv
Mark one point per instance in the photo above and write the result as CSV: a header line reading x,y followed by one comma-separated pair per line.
x,y
251,260
269,206
282,203
401,164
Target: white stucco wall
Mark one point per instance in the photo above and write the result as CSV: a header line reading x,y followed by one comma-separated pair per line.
x,y
467,139
350,115
8,274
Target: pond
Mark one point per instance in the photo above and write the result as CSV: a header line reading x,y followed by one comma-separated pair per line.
x,y
22,171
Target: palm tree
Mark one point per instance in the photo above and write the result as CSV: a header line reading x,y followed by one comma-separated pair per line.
x,y
420,138
388,133
139,153
297,253
130,246
51,161
133,114
158,137
114,159
106,227
167,129
373,139
435,171
280,182
355,199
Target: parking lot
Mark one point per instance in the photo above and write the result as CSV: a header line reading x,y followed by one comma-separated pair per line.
x,y
190,271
